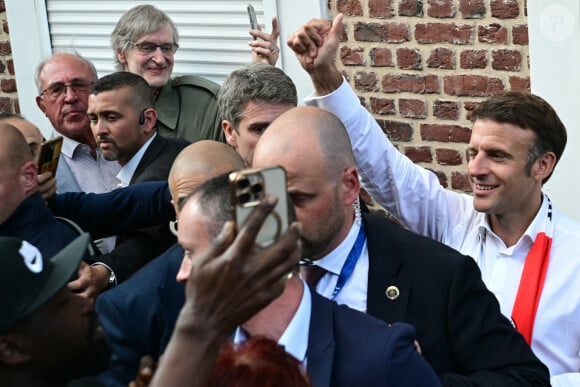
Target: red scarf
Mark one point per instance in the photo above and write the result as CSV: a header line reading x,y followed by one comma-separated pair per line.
x,y
532,281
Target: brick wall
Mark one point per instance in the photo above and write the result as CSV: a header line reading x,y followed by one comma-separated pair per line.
x,y
8,93
421,66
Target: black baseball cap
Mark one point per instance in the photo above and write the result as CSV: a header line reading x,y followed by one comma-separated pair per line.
x,y
28,280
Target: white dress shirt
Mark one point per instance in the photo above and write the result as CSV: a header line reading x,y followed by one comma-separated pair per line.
x,y
415,196
126,173
295,336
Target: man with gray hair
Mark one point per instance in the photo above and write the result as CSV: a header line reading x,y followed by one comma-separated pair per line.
x,y
63,83
249,100
144,42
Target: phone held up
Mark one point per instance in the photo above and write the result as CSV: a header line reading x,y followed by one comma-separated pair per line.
x,y
248,187
253,19
48,155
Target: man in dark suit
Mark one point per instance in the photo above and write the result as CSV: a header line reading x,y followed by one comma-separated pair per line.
x,y
372,265
123,120
311,328
138,316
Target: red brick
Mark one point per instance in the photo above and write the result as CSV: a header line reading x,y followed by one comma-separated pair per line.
x,y
363,101
473,59
445,133
383,105
349,7
2,67
441,176
446,110
8,85
493,33
410,83
5,104
365,81
386,32
448,156
381,57
505,9
460,181
472,9
10,64
411,8
520,34
520,84
441,8
472,85
469,108
2,6
16,106
5,48
455,33
409,59
420,154
441,58
5,27
352,56
412,108
509,60
381,8
396,131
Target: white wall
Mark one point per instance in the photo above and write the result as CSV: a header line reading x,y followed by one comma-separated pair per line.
x,y
555,72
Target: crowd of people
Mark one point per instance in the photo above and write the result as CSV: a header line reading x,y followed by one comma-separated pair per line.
x,y
128,268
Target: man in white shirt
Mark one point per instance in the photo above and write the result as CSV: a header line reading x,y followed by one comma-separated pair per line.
x,y
516,141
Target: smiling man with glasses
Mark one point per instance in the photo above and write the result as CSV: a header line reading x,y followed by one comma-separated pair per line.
x,y
144,42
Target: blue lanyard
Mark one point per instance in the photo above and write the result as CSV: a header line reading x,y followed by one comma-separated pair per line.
x,y
350,262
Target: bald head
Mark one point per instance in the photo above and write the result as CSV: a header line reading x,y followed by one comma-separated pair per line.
x,y
14,151
306,134
199,162
30,131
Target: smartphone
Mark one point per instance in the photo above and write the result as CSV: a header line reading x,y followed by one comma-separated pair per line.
x,y
48,155
253,19
248,187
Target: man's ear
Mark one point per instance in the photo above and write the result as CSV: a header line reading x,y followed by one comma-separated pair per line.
x,y
29,177
121,57
350,185
544,165
149,120
13,350
230,133
40,104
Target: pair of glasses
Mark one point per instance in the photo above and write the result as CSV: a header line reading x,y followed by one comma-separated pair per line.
x,y
56,90
150,47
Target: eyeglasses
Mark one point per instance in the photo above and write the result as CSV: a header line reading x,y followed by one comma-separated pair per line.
x,y
150,47
54,91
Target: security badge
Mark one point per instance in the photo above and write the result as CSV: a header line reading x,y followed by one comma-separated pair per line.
x,y
392,292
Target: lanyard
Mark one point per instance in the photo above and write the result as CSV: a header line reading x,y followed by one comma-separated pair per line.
x,y
350,262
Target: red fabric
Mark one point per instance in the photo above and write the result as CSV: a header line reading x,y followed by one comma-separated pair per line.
x,y
531,284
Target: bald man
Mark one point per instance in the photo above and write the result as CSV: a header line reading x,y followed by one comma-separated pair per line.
x,y
139,315
374,266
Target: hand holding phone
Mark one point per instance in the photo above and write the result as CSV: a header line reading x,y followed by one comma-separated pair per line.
x,y
248,187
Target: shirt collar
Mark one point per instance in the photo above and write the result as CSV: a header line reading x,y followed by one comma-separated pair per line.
x,y
126,173
334,261
69,146
295,336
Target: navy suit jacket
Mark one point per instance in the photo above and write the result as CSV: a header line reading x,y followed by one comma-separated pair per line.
x,y
138,316
460,328
134,249
348,348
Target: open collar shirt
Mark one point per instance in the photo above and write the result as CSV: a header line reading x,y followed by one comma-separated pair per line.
x,y
126,173
415,196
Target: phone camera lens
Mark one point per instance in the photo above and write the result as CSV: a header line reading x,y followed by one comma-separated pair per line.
x,y
244,198
256,188
243,183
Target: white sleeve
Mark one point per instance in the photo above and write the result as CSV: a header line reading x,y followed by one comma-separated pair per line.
x,y
408,191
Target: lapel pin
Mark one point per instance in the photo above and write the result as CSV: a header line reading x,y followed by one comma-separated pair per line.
x,y
392,292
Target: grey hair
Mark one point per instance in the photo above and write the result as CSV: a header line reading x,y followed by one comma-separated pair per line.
x,y
136,22
255,82
40,67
